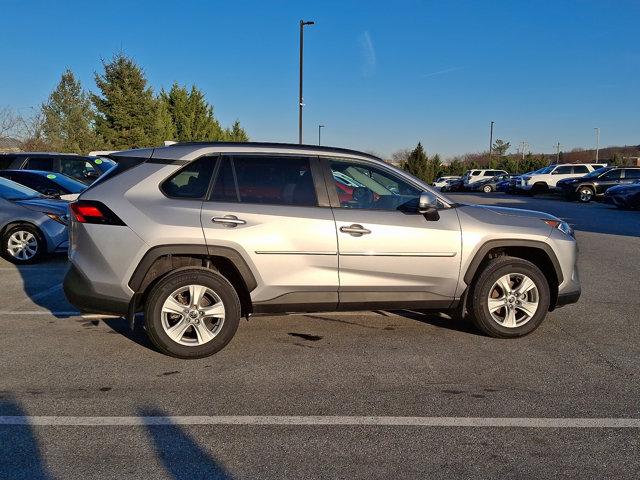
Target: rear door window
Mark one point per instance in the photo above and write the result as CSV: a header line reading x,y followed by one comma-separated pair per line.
x,y
40,163
632,173
580,169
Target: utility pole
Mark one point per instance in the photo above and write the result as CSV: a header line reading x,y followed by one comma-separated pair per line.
x,y
557,152
320,134
597,142
300,102
491,141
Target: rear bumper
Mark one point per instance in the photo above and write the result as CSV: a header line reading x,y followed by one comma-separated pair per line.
x,y
82,295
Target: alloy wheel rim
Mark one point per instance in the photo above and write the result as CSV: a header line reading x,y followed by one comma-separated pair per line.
x,y
22,245
513,300
585,194
193,315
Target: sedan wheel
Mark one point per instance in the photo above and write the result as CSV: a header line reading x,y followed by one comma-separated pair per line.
x,y
23,244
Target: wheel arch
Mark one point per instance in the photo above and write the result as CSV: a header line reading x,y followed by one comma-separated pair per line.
x,y
162,260
539,253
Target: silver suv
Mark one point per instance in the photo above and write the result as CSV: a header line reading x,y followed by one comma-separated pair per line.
x,y
197,235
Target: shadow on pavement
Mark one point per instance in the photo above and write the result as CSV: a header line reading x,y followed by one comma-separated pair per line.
x,y
20,456
438,320
121,325
180,454
42,284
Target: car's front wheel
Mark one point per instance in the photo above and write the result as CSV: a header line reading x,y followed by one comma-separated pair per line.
x,y
510,298
23,244
192,313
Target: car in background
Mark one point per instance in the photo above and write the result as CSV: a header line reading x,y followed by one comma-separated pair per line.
x,y
472,176
624,196
491,184
86,169
596,183
546,179
31,225
47,183
515,180
442,181
453,185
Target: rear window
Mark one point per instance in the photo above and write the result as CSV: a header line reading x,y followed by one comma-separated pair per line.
x,y
6,160
580,169
632,173
191,181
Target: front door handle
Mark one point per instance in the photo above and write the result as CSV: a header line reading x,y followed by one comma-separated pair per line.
x,y
228,221
355,230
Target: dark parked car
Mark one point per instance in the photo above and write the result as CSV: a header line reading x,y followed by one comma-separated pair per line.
x,y
489,185
596,183
624,196
454,185
83,168
47,183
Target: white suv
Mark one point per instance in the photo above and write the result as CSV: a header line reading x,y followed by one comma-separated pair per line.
x,y
546,179
472,176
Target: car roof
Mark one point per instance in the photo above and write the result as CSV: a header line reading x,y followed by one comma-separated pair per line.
x,y
192,150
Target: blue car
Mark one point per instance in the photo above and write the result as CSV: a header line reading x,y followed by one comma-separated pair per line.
x,y
31,225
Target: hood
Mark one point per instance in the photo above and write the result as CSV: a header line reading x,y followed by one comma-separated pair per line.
x,y
515,212
52,205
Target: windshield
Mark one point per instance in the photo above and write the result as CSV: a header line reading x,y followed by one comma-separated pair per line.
x,y
10,190
546,169
596,173
68,183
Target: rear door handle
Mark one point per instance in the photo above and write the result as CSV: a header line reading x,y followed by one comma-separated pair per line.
x,y
355,230
228,221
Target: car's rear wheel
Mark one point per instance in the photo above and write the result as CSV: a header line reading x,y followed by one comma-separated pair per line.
x,y
23,244
510,298
192,313
487,189
585,194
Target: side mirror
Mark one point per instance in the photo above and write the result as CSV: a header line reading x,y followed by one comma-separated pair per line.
x,y
427,207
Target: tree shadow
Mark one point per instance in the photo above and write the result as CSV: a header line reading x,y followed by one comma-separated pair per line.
x,y
20,456
180,454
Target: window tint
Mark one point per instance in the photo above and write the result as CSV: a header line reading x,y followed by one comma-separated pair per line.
x,y
224,188
489,173
632,173
274,180
475,172
5,160
580,169
612,174
371,187
41,163
192,181
563,170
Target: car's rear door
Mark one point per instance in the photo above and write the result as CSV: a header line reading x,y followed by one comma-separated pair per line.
x,y
274,211
390,256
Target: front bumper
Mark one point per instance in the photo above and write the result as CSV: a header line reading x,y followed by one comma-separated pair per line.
x,y
81,294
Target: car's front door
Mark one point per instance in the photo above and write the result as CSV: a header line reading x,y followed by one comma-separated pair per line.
x,y
390,255
274,211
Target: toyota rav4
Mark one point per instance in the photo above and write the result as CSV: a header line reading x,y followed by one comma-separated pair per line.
x,y
197,236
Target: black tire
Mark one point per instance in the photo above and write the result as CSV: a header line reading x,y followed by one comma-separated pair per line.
x,y
174,281
585,194
40,244
478,301
539,188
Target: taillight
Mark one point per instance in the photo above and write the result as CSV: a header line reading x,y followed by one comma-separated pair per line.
x,y
90,211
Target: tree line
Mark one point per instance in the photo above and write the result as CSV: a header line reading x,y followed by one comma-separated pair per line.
x,y
123,113
430,167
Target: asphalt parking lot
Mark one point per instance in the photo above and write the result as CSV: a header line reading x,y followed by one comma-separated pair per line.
x,y
354,369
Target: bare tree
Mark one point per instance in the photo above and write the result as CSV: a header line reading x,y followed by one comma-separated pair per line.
x,y
9,122
400,157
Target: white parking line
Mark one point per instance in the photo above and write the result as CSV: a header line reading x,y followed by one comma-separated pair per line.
x,y
326,420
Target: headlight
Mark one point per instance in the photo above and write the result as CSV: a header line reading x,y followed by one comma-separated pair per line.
x,y
63,219
564,227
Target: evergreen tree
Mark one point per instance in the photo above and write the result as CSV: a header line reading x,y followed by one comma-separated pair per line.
x,y
67,117
127,111
500,147
418,163
192,116
236,133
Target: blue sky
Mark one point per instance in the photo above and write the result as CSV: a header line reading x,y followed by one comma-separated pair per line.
x,y
380,75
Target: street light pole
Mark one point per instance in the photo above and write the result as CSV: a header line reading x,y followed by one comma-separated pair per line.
x,y
597,142
300,102
319,134
491,141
